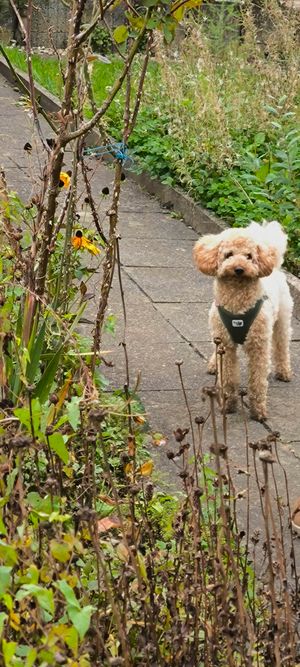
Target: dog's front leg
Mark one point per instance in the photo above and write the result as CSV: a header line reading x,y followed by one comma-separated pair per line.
x,y
259,355
229,377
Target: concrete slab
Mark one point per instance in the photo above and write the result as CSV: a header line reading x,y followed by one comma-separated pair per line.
x,y
190,319
155,225
156,253
157,365
165,285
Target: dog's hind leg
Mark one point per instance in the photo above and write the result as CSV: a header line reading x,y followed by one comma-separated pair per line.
x,y
281,345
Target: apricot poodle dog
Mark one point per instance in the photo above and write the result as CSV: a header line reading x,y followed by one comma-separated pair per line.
x,y
252,307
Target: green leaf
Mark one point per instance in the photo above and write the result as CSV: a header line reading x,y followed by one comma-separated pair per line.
x,y
73,412
8,650
120,34
44,596
35,354
262,173
68,593
71,638
60,551
259,138
23,414
39,504
5,578
58,446
81,619
8,554
10,481
31,656
44,385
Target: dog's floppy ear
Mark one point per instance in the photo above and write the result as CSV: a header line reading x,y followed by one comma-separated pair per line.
x,y
267,259
205,254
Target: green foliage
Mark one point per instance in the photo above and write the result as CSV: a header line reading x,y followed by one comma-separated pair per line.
x,y
101,41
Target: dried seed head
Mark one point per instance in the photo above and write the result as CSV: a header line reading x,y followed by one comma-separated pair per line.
x,y
134,489
105,191
170,454
96,415
253,445
51,483
198,492
199,420
149,488
180,434
53,398
217,340
266,456
218,448
210,391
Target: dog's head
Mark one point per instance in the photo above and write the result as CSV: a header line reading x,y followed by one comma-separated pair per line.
x,y
232,254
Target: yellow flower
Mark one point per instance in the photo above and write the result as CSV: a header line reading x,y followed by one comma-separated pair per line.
x,y
80,241
64,179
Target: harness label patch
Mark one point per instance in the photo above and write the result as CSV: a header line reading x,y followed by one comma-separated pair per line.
x,y
237,323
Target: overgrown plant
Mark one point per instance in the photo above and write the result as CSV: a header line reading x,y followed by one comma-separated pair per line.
x,y
97,568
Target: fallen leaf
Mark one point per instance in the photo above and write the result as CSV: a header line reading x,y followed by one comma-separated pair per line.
x,y
146,468
107,523
107,499
159,440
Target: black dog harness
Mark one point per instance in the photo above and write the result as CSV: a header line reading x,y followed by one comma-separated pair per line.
x,y
238,324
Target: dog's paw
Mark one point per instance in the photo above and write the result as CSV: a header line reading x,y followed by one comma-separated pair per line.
x,y
211,366
283,377
258,415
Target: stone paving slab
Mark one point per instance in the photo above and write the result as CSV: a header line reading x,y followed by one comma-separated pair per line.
x,y
167,305
157,253
165,285
158,226
156,361
191,320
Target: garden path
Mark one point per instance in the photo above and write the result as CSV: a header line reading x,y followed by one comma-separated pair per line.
x,y
167,305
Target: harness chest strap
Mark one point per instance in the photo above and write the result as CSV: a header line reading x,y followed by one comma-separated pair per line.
x,y
238,324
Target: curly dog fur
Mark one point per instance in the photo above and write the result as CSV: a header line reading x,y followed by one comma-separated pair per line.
x,y
246,265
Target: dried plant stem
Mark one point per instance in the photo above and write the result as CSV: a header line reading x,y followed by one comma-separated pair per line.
x,y
108,264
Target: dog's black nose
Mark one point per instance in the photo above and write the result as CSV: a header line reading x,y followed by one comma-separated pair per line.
x,y
238,271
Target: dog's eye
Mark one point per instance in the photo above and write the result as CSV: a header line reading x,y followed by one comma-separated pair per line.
x,y
228,254
249,256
